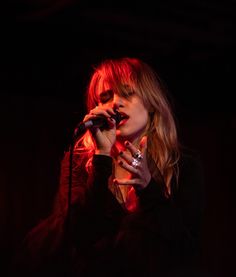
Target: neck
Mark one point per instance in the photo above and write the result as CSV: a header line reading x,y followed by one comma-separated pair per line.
x,y
120,143
134,139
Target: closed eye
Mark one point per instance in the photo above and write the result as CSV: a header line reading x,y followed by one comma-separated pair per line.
x,y
127,94
105,96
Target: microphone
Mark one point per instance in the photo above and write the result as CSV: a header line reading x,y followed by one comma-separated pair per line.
x,y
99,121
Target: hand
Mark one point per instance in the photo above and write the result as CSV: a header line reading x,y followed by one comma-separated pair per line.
x,y
140,175
104,139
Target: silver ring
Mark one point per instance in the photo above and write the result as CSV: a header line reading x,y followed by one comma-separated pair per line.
x,y
138,155
135,163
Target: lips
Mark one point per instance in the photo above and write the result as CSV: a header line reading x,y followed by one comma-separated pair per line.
x,y
124,118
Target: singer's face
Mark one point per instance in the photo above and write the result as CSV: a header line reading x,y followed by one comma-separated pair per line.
x,y
134,113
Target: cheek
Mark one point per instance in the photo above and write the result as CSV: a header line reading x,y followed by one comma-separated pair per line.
x,y
141,117
140,110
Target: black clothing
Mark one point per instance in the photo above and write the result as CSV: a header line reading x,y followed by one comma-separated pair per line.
x,y
161,238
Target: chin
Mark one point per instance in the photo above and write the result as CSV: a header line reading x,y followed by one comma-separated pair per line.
x,y
130,136
122,136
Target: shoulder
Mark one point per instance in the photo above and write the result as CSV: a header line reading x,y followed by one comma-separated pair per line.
x,y
79,167
79,161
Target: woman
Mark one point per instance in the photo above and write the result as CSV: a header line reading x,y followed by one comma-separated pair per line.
x,y
136,198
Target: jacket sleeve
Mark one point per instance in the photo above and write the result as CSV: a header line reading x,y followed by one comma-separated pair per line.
x,y
182,213
44,241
167,230
101,215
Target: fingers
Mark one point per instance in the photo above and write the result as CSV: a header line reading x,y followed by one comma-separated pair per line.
x,y
129,167
98,111
137,155
131,148
134,150
102,111
126,157
135,164
143,145
111,122
125,182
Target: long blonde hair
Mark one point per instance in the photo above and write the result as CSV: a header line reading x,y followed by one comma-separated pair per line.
x,y
131,74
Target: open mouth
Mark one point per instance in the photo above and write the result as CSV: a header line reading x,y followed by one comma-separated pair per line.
x,y
124,118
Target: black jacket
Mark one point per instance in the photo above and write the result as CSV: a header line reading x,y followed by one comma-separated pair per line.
x,y
161,238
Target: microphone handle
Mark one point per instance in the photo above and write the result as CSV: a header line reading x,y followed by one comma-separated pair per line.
x,y
97,122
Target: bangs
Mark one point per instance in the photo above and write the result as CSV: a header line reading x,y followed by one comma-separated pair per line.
x,y
116,76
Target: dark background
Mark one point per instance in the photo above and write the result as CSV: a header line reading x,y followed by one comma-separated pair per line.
x,y
47,51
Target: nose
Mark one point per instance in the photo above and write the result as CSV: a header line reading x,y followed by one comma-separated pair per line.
x,y
117,101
